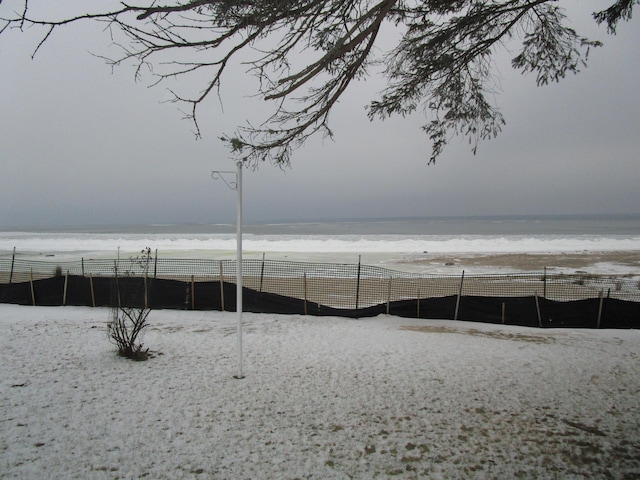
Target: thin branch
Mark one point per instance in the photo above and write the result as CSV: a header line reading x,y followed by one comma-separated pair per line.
x,y
440,62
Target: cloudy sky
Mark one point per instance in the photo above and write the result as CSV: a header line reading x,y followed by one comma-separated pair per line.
x,y
80,145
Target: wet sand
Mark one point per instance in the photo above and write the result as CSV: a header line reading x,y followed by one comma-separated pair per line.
x,y
536,261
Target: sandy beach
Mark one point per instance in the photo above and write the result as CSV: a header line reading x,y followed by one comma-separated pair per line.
x,y
625,262
592,262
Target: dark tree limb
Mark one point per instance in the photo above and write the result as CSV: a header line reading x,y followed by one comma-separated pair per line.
x,y
441,63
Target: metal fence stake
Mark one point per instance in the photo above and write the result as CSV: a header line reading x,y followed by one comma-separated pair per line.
x,y
13,261
155,265
262,272
600,308
33,294
93,295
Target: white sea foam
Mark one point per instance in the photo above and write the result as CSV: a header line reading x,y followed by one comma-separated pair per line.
x,y
404,244
51,243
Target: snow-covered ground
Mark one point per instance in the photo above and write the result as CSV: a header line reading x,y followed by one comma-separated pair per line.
x,y
324,398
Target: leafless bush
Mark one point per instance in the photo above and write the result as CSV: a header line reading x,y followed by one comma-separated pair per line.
x,y
125,329
128,322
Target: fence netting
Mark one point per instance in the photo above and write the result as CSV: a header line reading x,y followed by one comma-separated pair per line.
x,y
284,286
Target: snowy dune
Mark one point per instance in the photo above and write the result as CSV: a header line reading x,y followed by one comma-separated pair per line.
x,y
322,398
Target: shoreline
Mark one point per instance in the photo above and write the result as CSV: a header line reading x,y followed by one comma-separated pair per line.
x,y
618,262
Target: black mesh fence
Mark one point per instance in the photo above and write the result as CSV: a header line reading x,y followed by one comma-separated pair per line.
x,y
351,290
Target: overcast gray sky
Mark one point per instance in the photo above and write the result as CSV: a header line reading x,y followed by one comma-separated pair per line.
x,y
80,145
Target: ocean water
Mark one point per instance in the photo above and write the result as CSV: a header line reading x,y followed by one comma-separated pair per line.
x,y
344,238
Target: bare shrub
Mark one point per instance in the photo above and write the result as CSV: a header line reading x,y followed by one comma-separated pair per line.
x,y
125,329
128,321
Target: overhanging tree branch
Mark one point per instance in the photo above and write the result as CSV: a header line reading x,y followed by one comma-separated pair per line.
x,y
441,61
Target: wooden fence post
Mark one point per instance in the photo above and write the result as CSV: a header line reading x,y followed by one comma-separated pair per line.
x,y
193,293
146,291
538,309
358,283
262,272
389,296
221,289
115,273
304,283
64,293
455,317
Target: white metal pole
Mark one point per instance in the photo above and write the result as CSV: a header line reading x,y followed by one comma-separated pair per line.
x,y
239,268
237,185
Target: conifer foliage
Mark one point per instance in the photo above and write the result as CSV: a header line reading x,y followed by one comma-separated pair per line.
x,y
307,53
